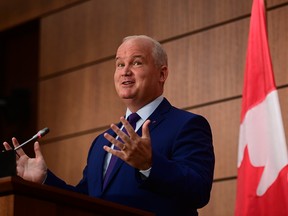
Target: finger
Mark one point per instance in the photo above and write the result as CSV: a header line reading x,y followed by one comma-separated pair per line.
x,y
119,132
113,151
130,130
122,137
145,129
15,144
37,150
114,141
7,146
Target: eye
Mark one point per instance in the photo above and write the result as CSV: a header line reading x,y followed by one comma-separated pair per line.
x,y
137,63
120,65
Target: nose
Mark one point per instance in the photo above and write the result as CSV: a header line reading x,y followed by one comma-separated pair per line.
x,y
127,71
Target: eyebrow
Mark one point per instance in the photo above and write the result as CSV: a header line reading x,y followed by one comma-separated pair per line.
x,y
133,57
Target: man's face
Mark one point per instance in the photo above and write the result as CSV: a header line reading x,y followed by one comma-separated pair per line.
x,y
137,79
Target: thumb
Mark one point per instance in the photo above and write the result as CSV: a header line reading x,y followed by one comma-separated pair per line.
x,y
145,129
37,150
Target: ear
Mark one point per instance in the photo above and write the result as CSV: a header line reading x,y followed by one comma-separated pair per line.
x,y
163,73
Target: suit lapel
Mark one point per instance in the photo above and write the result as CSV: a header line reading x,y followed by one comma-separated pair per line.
x,y
118,164
98,162
159,114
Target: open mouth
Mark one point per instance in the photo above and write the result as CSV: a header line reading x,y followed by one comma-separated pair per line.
x,y
127,83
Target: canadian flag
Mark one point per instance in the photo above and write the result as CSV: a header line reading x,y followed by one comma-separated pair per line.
x,y
262,182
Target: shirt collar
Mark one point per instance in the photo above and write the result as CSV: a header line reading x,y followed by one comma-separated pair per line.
x,y
148,109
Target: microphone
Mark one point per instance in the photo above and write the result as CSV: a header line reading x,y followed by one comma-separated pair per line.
x,y
39,135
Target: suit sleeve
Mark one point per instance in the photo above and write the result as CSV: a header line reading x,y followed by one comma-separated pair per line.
x,y
81,187
53,180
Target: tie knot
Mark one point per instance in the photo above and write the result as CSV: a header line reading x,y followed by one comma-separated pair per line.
x,y
133,118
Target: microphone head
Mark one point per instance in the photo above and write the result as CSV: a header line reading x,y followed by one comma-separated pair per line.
x,y
41,133
44,131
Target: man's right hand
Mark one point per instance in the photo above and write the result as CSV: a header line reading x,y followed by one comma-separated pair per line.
x,y
30,169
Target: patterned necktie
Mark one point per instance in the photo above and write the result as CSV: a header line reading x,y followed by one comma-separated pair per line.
x,y
132,119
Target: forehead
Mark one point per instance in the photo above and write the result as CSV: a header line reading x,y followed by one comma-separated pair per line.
x,y
134,48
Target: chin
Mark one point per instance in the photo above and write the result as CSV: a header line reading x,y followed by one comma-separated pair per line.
x,y
126,98
126,95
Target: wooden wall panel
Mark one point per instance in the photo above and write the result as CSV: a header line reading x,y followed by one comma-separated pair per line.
x,y
222,200
207,66
271,3
15,12
278,34
93,30
79,101
8,202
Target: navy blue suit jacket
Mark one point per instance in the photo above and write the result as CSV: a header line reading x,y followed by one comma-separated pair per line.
x,y
181,177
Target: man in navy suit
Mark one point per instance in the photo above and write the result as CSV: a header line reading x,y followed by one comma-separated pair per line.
x,y
165,165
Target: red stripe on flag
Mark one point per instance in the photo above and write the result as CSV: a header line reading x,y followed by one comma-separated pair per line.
x,y
258,77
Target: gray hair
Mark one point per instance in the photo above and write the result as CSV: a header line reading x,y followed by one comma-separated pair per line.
x,y
158,53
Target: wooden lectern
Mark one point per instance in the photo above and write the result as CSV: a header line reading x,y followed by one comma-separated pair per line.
x,y
20,198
